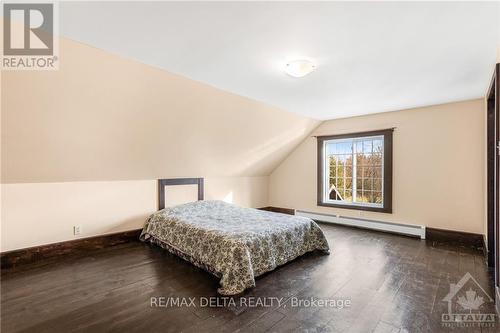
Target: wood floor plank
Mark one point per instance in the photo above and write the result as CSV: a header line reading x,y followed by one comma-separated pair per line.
x,y
394,284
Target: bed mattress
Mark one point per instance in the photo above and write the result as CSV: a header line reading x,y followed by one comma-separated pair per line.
x,y
234,243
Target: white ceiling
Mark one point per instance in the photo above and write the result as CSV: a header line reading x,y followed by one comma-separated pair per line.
x,y
371,57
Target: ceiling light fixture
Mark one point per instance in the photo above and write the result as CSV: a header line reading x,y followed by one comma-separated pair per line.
x,y
299,68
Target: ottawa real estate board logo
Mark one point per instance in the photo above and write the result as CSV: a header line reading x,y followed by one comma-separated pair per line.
x,y
466,300
29,36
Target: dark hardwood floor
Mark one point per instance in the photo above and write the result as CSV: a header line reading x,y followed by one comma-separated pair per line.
x,y
394,283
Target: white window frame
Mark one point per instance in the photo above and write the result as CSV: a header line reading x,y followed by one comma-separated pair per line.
x,y
326,174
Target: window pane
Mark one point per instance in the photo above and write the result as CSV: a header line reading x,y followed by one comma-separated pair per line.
x,y
359,147
331,148
362,197
332,182
369,196
359,195
367,146
376,159
348,160
377,184
378,146
348,183
367,184
340,183
359,171
344,159
372,172
332,165
377,197
359,184
340,170
333,172
344,148
366,172
360,159
348,171
348,195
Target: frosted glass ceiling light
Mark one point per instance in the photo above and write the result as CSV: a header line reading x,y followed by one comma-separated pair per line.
x,y
299,68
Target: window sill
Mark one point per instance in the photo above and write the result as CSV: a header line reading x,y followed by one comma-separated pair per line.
x,y
387,210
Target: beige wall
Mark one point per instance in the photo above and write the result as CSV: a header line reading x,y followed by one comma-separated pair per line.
x,y
439,165
43,213
85,144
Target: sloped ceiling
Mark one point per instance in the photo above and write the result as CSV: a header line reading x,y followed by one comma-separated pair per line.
x,y
371,56
104,117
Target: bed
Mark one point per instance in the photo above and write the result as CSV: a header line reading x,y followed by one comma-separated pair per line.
x,y
233,243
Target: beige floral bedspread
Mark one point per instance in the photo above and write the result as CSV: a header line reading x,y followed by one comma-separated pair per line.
x,y
234,243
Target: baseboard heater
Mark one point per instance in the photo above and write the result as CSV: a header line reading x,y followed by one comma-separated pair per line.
x,y
405,229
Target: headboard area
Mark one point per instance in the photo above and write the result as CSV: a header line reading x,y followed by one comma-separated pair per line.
x,y
162,183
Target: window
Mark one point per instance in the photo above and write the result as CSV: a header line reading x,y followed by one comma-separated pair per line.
x,y
355,171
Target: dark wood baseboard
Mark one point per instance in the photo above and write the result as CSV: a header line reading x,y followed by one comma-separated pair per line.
x,y
289,211
497,300
485,252
80,246
455,238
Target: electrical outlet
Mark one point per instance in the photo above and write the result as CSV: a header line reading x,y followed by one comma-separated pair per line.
x,y
77,230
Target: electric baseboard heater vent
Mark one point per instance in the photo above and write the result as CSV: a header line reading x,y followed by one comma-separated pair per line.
x,y
398,228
